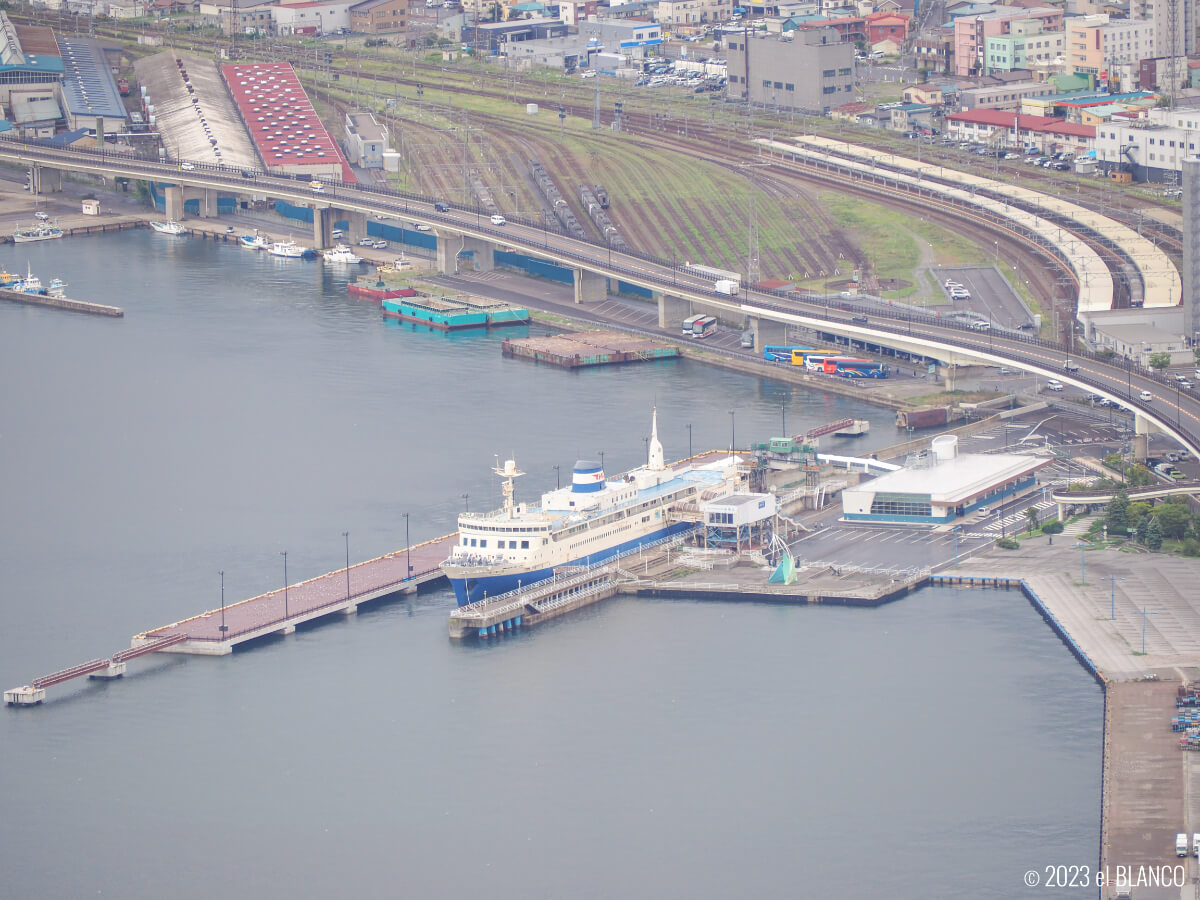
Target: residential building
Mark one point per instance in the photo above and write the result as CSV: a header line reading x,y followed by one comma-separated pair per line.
x,y
1098,44
494,37
312,17
934,51
929,94
813,71
687,14
572,12
238,16
1026,46
972,31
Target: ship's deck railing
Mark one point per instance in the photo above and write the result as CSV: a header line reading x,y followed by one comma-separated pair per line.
x,y
665,491
562,581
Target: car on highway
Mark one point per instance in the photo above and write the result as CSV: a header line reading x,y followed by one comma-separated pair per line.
x,y
981,325
499,220
317,187
420,226
1071,366
861,320
187,166
1053,385
441,207
1145,396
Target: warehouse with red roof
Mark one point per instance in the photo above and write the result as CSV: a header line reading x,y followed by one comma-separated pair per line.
x,y
282,122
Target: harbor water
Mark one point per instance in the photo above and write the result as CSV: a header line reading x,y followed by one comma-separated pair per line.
x,y
246,407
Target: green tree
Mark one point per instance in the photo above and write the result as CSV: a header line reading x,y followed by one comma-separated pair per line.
x,y
1173,520
1143,527
1137,513
1031,515
1052,527
1138,476
1117,515
1159,361
1113,460
1154,534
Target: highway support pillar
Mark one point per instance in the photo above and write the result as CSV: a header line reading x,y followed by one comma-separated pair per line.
x,y
1140,445
356,227
349,610
44,180
322,226
590,287
672,310
173,202
1060,509
765,331
483,252
287,629
208,203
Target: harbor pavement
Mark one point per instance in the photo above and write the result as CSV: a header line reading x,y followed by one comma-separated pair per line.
x,y
1109,601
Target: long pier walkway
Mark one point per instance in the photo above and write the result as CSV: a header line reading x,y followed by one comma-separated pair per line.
x,y
217,631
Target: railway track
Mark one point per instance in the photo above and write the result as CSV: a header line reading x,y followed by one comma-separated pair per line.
x,y
723,140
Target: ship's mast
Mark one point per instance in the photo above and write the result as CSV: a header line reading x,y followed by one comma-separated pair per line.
x,y
655,461
508,472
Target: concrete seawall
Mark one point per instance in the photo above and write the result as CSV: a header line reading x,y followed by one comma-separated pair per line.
x,y
80,306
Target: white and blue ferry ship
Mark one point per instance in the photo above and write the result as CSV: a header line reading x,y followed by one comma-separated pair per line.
x,y
587,522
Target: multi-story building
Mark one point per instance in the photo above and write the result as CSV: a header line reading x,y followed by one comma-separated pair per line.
x,y
1096,45
1006,97
631,38
381,16
366,140
1027,46
1151,146
687,14
971,33
311,18
1007,129
813,71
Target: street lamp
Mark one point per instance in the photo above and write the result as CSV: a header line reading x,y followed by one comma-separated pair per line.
x,y
1112,584
283,553
407,549
1082,545
1145,613
346,535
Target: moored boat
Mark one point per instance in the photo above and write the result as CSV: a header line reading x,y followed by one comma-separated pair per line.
x,y
168,227
42,231
340,253
589,521
291,250
256,241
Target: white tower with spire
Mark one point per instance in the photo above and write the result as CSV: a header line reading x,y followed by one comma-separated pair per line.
x,y
655,463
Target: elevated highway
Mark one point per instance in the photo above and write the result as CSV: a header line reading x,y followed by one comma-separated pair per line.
x,y
1156,403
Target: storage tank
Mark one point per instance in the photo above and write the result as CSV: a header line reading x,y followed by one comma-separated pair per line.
x,y
944,446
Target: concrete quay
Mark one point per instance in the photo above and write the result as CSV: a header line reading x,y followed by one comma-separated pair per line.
x,y
82,306
1108,601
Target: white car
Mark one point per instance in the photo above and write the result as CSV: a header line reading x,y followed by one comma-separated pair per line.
x,y
1053,385
317,187
422,227
589,74
499,220
380,245
952,284
366,242
187,166
1145,396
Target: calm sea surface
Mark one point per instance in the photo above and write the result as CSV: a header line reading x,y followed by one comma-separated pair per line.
x,y
937,747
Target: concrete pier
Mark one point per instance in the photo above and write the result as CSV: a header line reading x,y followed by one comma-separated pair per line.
x,y
95,309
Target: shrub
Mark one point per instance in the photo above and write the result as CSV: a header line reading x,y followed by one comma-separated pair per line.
x,y
1052,527
1007,544
1190,547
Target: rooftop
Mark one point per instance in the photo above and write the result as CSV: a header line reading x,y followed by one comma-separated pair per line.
x,y
88,84
957,479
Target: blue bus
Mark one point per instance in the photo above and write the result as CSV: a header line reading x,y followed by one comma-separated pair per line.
x,y
780,353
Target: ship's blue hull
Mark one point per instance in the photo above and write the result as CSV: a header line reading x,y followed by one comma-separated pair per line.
x,y
469,590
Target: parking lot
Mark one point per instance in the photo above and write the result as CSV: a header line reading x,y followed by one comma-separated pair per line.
x,y
991,296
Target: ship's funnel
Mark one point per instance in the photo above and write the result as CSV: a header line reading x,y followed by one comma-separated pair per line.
x,y
588,477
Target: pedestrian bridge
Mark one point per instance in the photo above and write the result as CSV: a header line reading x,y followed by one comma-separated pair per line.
x,y
1101,497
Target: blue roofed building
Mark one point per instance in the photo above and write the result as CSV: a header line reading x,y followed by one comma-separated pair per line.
x,y
89,89
28,56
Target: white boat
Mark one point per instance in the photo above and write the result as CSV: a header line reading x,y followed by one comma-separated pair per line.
x,y
57,288
42,231
256,241
340,253
591,520
291,250
168,227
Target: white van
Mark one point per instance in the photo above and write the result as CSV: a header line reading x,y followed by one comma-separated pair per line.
x,y
1181,845
1145,395
1196,845
498,220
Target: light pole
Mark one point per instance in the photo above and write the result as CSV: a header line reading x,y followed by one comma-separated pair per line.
x,y
1082,545
407,549
222,603
346,535
1112,584
283,553
1145,613
957,529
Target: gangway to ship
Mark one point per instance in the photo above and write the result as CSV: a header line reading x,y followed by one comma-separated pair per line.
x,y
829,428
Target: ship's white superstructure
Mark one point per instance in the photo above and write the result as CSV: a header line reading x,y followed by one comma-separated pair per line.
x,y
588,521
